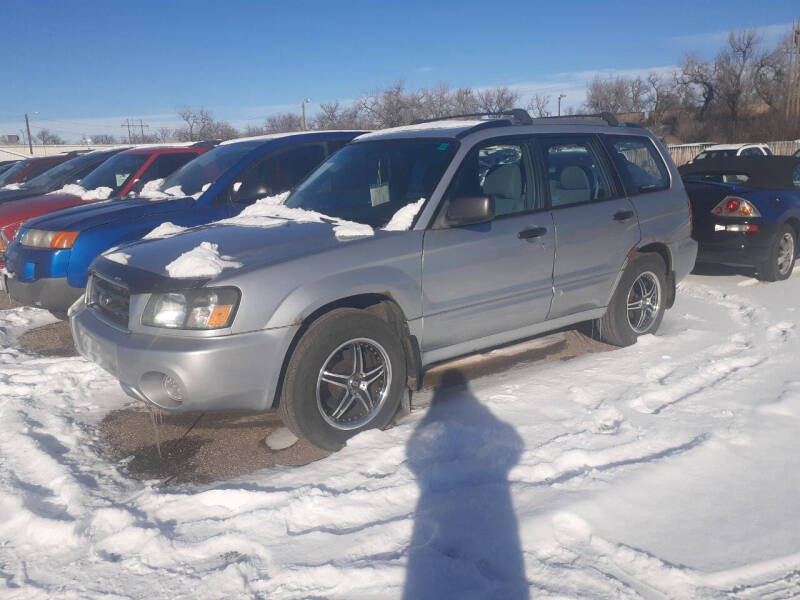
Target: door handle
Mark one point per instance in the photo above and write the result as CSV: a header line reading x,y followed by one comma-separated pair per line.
x,y
623,215
531,233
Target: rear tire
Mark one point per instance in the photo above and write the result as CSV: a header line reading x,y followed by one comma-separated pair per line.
x,y
638,304
334,387
782,255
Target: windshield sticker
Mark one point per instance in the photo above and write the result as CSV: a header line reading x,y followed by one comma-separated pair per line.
x,y
379,194
443,146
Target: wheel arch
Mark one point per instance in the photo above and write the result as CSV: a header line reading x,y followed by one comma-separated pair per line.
x,y
794,223
382,305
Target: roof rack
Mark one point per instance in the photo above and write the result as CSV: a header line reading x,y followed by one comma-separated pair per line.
x,y
520,114
605,116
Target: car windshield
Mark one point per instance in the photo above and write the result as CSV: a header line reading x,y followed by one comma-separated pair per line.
x,y
62,173
115,172
196,175
9,176
368,182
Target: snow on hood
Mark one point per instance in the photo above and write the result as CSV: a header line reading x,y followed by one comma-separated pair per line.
x,y
100,193
403,218
12,186
202,261
164,230
271,212
118,257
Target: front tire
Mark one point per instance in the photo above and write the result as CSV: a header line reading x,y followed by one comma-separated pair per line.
x,y
638,304
346,374
782,255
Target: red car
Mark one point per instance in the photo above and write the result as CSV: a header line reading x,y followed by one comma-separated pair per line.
x,y
29,168
120,175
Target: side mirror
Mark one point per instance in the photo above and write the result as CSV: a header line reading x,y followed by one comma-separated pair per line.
x,y
469,210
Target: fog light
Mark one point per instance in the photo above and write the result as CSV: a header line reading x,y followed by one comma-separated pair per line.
x,y
172,388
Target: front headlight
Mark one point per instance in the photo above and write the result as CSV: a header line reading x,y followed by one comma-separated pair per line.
x,y
40,238
204,308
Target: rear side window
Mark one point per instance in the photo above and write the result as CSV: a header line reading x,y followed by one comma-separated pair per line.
x,y
576,173
167,164
642,168
752,152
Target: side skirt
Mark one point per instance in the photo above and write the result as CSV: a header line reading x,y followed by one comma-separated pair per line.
x,y
498,339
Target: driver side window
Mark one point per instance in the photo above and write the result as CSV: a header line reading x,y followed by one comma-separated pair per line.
x,y
497,169
275,173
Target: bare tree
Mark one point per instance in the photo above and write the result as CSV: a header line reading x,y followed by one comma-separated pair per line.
x,y
333,116
735,67
540,105
166,134
45,136
497,99
609,95
283,122
698,78
103,138
196,119
201,125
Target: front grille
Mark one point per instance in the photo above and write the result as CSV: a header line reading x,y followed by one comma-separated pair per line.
x,y
110,299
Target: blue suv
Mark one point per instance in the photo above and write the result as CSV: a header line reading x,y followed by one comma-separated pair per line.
x,y
48,259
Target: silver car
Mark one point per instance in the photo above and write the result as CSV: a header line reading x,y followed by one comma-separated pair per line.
x,y
408,247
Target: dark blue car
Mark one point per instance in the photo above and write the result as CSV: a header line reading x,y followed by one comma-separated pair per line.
x,y
746,212
48,259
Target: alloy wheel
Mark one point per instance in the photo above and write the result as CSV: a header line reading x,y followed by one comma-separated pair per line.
x,y
644,302
786,253
353,384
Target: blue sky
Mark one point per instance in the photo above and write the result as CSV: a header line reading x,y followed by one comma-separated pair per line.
x,y
85,65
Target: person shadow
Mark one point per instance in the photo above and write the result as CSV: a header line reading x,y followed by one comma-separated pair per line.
x,y
465,542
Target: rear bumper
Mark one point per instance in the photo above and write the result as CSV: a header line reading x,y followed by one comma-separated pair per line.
x,y
736,248
231,372
52,294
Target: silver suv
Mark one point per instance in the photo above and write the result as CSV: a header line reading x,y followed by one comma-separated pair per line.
x,y
408,247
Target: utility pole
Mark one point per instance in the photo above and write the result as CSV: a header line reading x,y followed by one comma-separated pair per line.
x,y
793,93
303,108
127,124
141,127
28,127
560,96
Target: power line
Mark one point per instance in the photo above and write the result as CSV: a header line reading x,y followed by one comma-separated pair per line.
x,y
128,124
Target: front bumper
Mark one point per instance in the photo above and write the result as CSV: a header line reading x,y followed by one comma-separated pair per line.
x,y
735,248
53,294
231,372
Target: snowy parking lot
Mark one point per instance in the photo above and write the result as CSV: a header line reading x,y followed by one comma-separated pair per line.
x,y
669,469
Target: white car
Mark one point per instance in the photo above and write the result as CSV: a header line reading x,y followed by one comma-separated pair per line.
x,y
727,150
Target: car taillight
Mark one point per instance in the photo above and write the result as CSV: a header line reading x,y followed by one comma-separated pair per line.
x,y
733,206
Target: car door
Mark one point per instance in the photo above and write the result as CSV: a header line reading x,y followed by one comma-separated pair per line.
x,y
488,278
595,224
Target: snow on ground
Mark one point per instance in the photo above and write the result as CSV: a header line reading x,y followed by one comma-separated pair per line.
x,y
670,469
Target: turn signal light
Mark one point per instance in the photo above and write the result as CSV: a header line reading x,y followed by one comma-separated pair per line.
x,y
64,239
